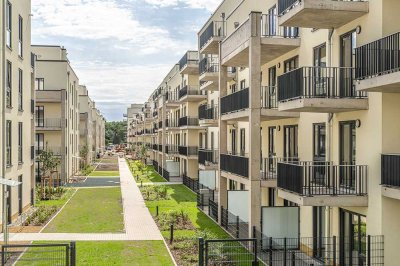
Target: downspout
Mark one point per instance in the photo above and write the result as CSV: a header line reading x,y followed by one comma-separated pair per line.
x,y
330,133
3,119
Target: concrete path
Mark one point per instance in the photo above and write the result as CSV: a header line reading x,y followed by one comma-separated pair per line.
x,y
139,224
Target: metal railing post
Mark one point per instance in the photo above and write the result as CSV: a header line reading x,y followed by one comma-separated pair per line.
x,y
334,250
201,251
284,252
237,226
3,255
368,250
270,251
73,253
255,263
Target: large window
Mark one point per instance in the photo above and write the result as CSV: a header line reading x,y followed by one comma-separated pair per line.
x,y
8,24
319,142
20,89
20,142
242,142
20,36
9,85
39,84
290,142
8,143
40,116
291,64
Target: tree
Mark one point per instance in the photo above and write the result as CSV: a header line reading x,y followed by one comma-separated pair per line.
x,y
116,132
48,164
83,153
142,153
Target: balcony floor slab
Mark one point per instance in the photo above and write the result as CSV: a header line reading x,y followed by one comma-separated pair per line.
x,y
389,83
323,105
391,192
212,46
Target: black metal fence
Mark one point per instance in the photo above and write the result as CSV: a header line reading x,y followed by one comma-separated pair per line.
x,y
213,209
208,157
171,149
322,178
39,254
270,28
165,174
269,97
228,252
209,112
378,57
390,170
209,65
285,5
235,164
318,82
190,90
188,151
188,121
214,29
235,102
233,224
191,57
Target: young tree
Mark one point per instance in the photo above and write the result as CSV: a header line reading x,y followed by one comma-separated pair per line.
x,y
83,153
48,164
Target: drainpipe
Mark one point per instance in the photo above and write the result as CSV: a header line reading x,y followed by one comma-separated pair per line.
x,y
329,133
3,119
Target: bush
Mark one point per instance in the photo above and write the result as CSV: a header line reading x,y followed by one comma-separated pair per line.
x,y
49,193
179,218
88,169
154,193
41,215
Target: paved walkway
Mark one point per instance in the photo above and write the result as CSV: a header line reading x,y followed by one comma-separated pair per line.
x,y
139,224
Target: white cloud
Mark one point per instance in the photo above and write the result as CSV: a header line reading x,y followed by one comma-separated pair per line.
x,y
210,5
99,20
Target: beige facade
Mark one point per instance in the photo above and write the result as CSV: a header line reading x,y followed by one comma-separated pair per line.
x,y
85,125
300,118
99,131
16,119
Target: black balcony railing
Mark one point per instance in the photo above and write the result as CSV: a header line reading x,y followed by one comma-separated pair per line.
x,y
234,164
285,5
208,112
160,124
171,149
189,90
191,57
171,123
269,97
48,122
322,178
187,150
214,29
165,174
209,65
207,157
188,121
235,102
171,96
390,172
378,57
318,82
270,28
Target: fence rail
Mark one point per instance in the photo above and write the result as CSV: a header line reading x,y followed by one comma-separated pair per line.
x,y
209,112
214,29
270,28
235,164
323,178
48,122
390,170
188,121
235,102
208,157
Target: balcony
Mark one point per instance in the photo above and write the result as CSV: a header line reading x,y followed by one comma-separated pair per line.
x,y
378,65
234,164
171,100
269,105
320,90
323,184
209,71
390,175
160,125
56,150
191,94
211,36
235,102
188,151
48,124
275,41
171,149
154,147
320,14
188,122
189,64
171,124
208,158
48,96
208,115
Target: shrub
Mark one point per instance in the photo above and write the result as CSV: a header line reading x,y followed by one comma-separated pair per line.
x,y
179,218
50,193
41,215
153,193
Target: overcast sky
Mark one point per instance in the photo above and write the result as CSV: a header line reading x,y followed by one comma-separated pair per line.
x,y
120,49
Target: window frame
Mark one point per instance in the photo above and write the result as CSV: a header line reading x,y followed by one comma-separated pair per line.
x,y
20,90
8,84
20,143
20,36
9,25
8,143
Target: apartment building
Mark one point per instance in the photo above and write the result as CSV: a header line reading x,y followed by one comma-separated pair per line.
x,y
86,126
17,67
99,131
307,128
57,109
132,111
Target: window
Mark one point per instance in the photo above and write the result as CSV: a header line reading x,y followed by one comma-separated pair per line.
x,y
242,142
20,36
8,143
20,147
39,142
39,84
290,142
320,55
20,89
243,84
20,207
272,21
319,142
271,197
291,64
9,85
40,116
8,24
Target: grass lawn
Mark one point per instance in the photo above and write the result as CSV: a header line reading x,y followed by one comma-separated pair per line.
x,y
104,173
147,175
58,202
90,211
117,253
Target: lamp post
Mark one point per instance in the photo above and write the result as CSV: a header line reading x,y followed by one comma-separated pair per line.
x,y
6,183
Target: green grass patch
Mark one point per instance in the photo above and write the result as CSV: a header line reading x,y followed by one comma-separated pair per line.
x,y
104,173
114,253
57,202
144,173
90,211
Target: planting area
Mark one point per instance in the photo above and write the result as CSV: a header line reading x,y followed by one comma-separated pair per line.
x,y
90,211
144,173
178,205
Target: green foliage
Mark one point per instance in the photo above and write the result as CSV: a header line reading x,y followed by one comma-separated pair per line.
x,y
116,132
87,170
41,215
52,193
179,218
48,162
153,193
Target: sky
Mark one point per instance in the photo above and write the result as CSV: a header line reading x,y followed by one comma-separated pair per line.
x,y
120,49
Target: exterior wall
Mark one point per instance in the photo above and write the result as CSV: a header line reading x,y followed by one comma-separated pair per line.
x,y
24,168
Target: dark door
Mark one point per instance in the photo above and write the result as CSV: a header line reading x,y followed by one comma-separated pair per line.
x,y
271,161
321,74
347,61
242,142
233,141
353,227
347,151
20,195
271,98
291,142
320,174
318,232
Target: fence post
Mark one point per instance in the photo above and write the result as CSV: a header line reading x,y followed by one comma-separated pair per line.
x,y
255,251
284,252
157,210
270,251
369,250
237,226
334,250
73,253
254,233
3,255
171,238
201,251
293,259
